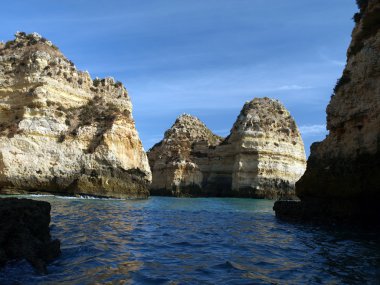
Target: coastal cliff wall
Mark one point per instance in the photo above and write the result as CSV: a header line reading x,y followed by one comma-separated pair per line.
x,y
61,131
343,171
262,157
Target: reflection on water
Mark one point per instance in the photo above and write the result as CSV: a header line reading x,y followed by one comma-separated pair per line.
x,y
196,241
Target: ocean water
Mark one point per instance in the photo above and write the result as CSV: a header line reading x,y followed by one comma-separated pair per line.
x,y
196,241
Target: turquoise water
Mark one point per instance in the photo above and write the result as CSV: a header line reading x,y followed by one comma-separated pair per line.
x,y
196,241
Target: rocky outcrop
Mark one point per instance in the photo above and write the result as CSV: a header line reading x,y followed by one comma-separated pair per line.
x,y
344,169
261,158
267,151
61,131
180,161
25,233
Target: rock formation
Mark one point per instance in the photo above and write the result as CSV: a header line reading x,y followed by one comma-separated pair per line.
x,y
61,131
25,233
262,157
267,150
179,162
342,180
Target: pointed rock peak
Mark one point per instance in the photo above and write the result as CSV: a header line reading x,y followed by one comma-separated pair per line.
x,y
185,116
188,121
186,128
191,128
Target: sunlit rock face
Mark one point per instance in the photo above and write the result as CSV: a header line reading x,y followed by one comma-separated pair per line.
x,y
180,162
342,180
61,131
267,150
262,157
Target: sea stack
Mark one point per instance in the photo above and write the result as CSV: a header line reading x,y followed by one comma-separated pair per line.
x,y
262,157
61,131
265,151
342,180
180,161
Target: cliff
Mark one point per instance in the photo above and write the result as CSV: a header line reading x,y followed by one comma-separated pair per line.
x,y
179,162
267,150
25,233
342,176
262,157
61,131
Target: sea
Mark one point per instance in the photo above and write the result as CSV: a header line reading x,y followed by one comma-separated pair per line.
x,y
165,240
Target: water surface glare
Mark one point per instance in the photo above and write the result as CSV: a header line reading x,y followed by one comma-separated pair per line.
x,y
196,241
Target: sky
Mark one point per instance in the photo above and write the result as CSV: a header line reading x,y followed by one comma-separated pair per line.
x,y
202,57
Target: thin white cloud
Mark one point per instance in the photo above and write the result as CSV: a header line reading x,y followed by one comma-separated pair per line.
x,y
292,87
312,129
331,61
337,62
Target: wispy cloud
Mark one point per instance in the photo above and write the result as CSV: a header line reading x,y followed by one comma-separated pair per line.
x,y
330,60
187,56
337,62
226,85
292,87
313,129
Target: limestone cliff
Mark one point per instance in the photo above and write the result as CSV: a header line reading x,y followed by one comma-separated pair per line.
x,y
267,150
262,157
61,131
179,162
343,171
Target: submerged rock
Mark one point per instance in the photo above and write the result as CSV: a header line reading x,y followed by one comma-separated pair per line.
x,y
262,157
344,169
25,233
61,131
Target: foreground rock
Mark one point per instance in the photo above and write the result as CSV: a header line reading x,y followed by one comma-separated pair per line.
x,y
342,180
24,232
61,131
262,157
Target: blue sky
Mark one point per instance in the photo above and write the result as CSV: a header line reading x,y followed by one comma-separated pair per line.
x,y
203,57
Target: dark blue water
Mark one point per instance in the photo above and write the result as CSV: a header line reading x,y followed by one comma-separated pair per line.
x,y
196,241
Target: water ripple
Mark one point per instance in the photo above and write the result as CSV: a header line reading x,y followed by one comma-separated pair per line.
x,y
195,241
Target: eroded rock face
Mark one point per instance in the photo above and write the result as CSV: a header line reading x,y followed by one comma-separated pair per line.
x,y
345,167
262,157
179,162
267,149
61,131
25,233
